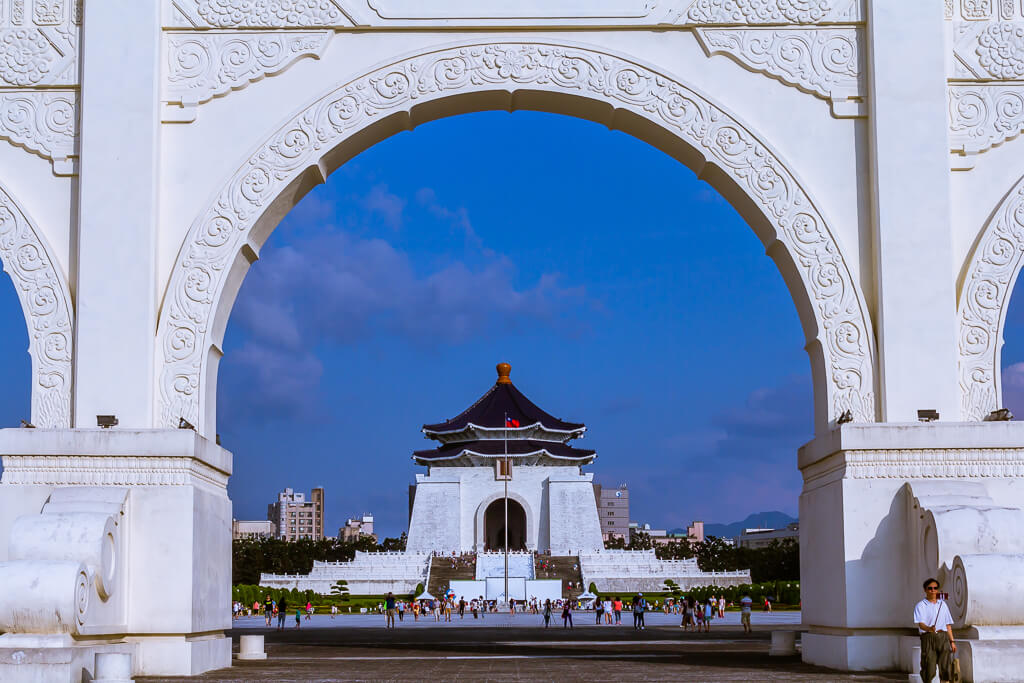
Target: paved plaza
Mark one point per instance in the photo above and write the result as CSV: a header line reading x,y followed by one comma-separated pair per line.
x,y
505,648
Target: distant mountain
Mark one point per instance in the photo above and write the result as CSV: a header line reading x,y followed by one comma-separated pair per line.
x,y
765,520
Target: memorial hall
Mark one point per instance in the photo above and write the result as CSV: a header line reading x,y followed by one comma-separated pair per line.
x,y
504,472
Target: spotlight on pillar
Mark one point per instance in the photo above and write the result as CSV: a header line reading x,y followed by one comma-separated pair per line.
x,y
927,415
847,416
1000,415
185,424
27,425
218,439
106,421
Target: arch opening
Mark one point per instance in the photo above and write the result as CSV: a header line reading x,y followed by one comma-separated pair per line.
x,y
568,80
495,525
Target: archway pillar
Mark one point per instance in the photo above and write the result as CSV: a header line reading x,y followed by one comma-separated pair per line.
x,y
865,551
911,210
157,588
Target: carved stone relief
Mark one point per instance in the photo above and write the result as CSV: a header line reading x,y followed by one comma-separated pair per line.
x,y
201,66
217,235
261,14
982,116
43,122
989,51
984,299
772,11
38,52
469,13
822,61
46,302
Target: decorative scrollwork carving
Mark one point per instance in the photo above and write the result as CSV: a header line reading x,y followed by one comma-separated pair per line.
x,y
982,116
45,301
984,297
41,121
770,11
201,66
216,236
262,13
823,62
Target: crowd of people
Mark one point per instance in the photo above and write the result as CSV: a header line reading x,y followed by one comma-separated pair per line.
x,y
695,614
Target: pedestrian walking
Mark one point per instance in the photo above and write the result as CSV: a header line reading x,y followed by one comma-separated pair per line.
x,y
298,617
334,611
567,614
935,628
709,614
268,608
547,612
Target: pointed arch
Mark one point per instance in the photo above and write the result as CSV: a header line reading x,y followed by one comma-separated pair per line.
x,y
984,299
46,302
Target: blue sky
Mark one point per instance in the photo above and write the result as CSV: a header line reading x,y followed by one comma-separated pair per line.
x,y
625,293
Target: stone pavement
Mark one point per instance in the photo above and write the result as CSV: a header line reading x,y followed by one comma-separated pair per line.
x,y
503,648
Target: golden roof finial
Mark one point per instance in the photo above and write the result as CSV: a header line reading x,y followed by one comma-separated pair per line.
x,y
504,369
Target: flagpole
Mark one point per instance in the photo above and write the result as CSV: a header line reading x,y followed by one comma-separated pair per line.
x,y
508,473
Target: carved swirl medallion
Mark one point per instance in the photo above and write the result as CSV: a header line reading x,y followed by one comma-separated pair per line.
x,y
215,238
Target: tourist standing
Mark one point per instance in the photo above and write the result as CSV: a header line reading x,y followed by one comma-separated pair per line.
x,y
617,605
389,610
721,607
473,607
687,620
567,613
462,607
709,614
745,608
268,608
598,610
608,612
334,611
639,605
282,612
547,612
935,628
309,610
298,617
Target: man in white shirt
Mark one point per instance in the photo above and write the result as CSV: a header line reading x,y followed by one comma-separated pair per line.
x,y
935,626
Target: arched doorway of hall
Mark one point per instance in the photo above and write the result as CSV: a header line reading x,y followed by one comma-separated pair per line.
x,y
494,526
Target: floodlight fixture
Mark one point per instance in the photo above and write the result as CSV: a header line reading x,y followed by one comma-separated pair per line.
x,y
106,421
999,415
847,416
927,415
185,424
27,425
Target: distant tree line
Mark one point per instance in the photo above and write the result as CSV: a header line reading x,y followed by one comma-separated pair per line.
x,y
779,561
252,556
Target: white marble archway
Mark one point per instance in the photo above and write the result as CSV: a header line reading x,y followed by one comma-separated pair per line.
x,y
984,299
562,78
46,303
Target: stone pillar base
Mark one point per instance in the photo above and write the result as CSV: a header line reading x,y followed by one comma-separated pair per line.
x,y
852,652
30,658
169,568
182,655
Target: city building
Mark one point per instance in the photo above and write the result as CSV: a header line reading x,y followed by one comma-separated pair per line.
x,y
252,529
762,538
458,508
295,517
357,527
613,511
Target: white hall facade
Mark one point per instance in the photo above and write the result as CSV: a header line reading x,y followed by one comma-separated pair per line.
x,y
504,445
148,148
